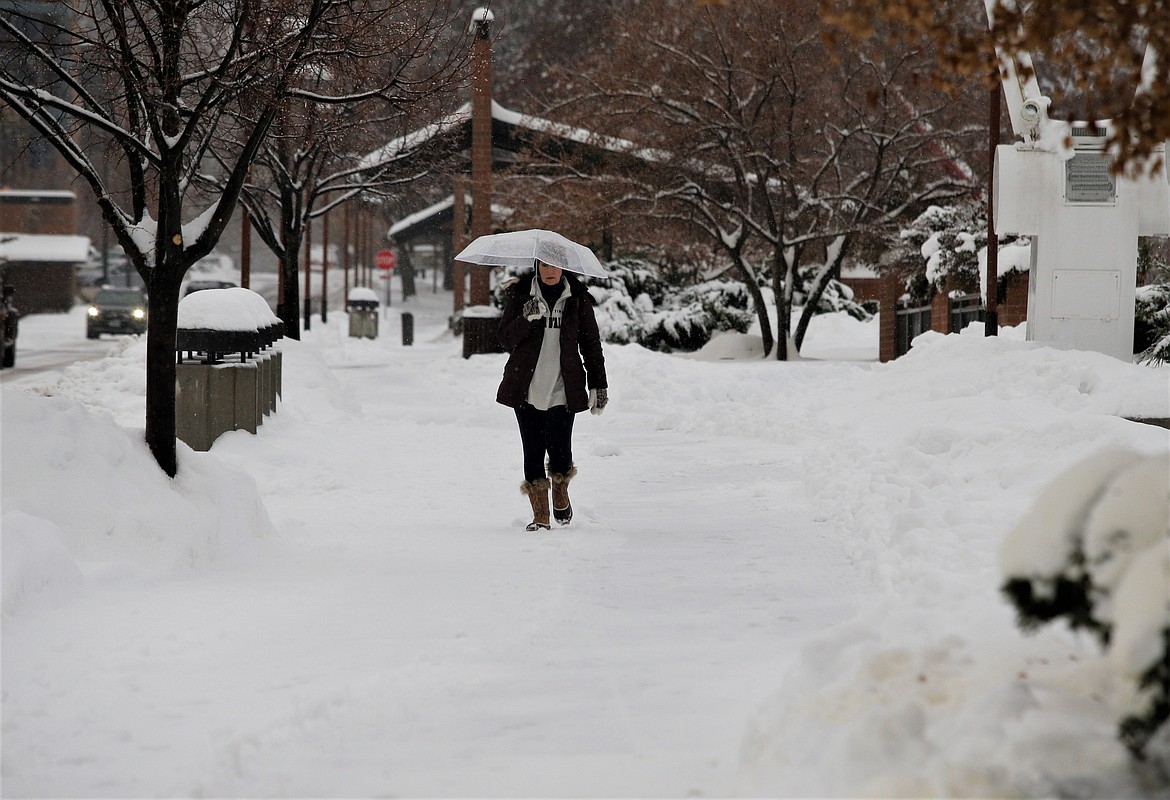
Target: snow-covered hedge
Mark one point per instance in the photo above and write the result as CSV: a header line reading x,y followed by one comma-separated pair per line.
x,y
1152,323
951,239
635,306
837,296
1095,551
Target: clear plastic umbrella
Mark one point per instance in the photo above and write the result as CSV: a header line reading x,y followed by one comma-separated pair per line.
x,y
521,248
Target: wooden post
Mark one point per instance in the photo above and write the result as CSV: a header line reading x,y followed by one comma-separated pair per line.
x,y
325,267
245,249
991,304
458,242
308,271
359,247
888,319
345,253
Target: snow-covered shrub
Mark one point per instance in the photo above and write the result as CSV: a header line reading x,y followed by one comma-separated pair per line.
x,y
1152,323
727,304
637,277
623,301
619,316
1095,551
687,320
949,239
1154,259
952,242
635,306
836,297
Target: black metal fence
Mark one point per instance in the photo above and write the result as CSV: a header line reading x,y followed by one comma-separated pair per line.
x,y
909,323
966,309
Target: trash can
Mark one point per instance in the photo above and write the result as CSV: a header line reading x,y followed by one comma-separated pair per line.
x,y
480,324
362,307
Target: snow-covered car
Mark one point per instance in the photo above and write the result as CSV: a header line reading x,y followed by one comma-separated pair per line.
x,y
116,310
9,322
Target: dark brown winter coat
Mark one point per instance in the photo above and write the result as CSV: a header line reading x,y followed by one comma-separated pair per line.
x,y
582,363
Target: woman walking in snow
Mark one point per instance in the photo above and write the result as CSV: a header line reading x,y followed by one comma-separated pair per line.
x,y
556,369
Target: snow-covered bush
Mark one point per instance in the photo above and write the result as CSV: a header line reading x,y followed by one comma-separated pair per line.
x,y
949,239
632,291
687,321
1154,259
1095,551
836,297
1152,323
636,306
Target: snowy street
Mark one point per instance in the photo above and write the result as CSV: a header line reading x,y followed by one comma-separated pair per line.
x,y
780,579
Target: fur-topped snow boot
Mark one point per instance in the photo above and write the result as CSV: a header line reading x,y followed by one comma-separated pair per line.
x,y
562,509
537,493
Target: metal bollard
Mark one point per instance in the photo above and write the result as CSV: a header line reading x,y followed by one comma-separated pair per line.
x,y
407,329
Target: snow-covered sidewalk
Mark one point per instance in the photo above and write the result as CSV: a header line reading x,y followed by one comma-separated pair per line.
x,y
781,579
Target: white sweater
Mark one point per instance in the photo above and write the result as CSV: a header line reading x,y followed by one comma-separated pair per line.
x,y
547,388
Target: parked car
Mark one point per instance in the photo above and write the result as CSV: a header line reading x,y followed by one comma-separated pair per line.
x,y
9,321
116,310
201,285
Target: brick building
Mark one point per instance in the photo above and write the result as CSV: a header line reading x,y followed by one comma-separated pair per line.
x,y
39,251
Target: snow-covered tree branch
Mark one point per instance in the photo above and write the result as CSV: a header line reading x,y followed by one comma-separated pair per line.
x,y
798,149
136,94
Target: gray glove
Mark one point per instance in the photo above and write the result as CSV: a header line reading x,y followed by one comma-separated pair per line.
x,y
598,400
533,309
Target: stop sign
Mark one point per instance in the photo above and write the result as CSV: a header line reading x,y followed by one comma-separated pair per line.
x,y
385,259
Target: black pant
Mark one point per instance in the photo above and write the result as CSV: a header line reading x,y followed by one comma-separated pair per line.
x,y
543,432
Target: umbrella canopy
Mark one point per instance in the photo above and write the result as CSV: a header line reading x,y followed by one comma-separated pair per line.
x,y
520,248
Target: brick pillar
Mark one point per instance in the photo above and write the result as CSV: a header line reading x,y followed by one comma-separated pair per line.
x,y
481,147
479,329
888,318
940,312
1014,308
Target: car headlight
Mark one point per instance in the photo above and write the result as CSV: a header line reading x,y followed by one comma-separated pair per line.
x,y
138,313
93,312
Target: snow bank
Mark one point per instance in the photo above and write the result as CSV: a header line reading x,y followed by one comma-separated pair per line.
x,y
1093,553
782,580
914,461
59,514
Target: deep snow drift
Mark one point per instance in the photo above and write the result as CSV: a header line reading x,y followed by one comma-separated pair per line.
x,y
782,579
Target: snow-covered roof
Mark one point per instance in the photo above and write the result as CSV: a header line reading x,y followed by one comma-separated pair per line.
x,y
45,194
581,135
403,144
424,214
407,222
44,247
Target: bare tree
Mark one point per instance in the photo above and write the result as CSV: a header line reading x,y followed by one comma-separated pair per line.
x,y
1115,53
749,131
160,82
314,158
